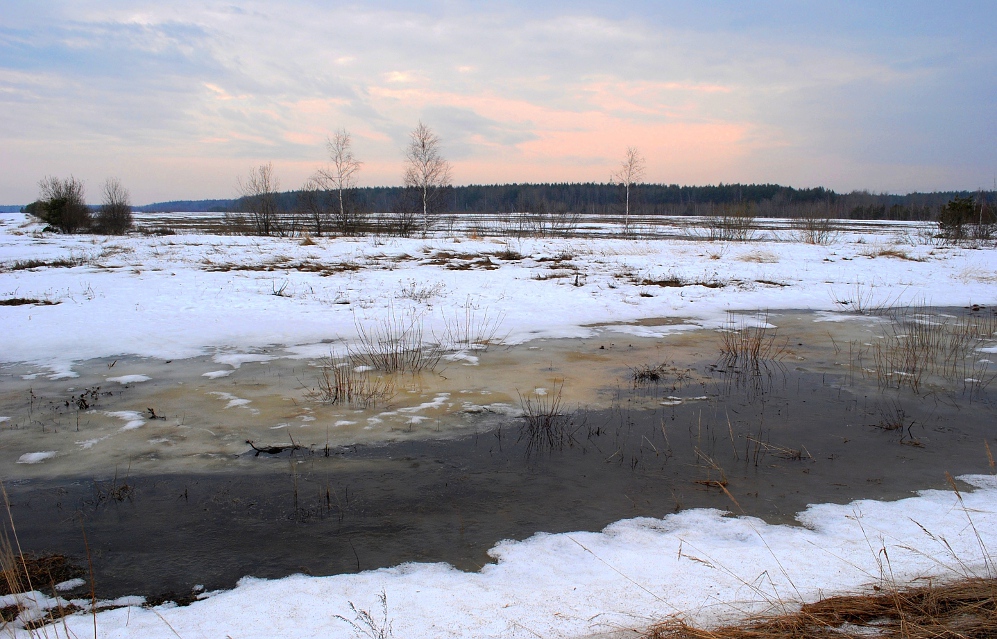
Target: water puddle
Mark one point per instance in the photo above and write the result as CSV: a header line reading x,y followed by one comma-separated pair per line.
x,y
159,472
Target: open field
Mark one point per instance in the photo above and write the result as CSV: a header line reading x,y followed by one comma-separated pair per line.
x,y
630,390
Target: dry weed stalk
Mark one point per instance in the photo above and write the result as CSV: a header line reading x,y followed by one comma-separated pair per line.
x,y
473,329
22,576
364,624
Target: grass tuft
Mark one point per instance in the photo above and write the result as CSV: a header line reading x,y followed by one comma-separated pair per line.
x,y
340,382
962,609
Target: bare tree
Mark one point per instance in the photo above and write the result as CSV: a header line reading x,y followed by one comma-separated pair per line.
x,y
114,216
631,172
427,171
341,177
259,193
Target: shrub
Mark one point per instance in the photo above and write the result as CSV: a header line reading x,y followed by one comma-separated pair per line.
x,y
62,204
114,216
963,218
731,223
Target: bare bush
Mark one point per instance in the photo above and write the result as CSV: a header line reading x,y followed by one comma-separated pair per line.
x,y
114,216
731,223
62,204
542,219
259,198
313,208
815,224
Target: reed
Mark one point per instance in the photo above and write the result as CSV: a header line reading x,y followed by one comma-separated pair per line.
x,y
545,426
339,382
745,346
396,344
920,343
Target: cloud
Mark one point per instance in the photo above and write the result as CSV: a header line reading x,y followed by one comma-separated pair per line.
x,y
520,92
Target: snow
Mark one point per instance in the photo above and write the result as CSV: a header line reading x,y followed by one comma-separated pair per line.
x,y
36,458
132,419
129,379
183,296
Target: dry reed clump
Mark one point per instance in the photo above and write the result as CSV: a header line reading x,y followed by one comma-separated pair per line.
x,y
962,609
865,299
475,328
339,382
921,342
396,344
545,426
746,347
18,572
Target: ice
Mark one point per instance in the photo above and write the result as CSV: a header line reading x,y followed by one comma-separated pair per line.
x,y
129,379
35,458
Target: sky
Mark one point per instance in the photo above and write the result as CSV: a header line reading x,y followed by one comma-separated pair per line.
x,y
179,99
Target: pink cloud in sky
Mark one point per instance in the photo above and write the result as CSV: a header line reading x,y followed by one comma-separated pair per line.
x,y
585,143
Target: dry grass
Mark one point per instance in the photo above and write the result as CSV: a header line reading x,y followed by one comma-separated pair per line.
x,y
920,342
891,251
27,265
283,264
962,609
745,347
339,382
759,257
545,426
396,344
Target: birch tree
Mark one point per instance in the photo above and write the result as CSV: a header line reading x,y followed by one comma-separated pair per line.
x,y
341,177
427,171
631,172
